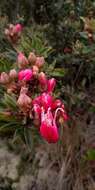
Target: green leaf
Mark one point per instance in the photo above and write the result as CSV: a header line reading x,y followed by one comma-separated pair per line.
x,y
28,138
60,72
10,101
90,154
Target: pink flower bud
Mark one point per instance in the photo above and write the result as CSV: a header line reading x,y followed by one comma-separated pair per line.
x,y
13,74
4,78
18,28
57,103
22,60
32,58
42,80
46,100
35,70
39,61
48,128
51,85
25,75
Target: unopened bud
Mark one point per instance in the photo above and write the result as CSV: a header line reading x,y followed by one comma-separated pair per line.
x,y
6,32
4,78
35,70
17,28
42,80
40,61
51,85
11,26
13,74
32,58
22,60
24,102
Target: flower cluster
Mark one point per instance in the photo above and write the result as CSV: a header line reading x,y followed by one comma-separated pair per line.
x,y
34,93
13,32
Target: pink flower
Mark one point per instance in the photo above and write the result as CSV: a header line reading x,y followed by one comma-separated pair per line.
x,y
51,85
48,128
46,100
18,28
39,61
22,60
25,74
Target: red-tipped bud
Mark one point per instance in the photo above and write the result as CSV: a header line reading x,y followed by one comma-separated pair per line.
x,y
13,74
4,78
51,85
39,61
32,58
42,80
22,60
